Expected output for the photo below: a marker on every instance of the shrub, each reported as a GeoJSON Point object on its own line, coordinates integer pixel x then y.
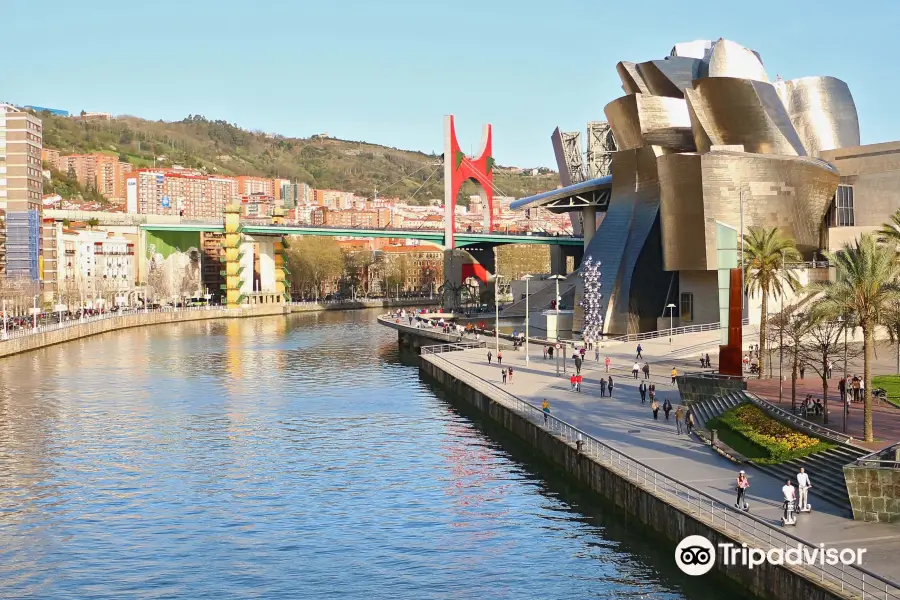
{"type": "Point", "coordinates": [777, 439]}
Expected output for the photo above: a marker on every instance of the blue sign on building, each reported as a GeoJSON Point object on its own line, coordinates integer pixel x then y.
{"type": "Point", "coordinates": [165, 202]}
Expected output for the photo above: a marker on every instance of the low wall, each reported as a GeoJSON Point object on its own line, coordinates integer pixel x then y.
{"type": "Point", "coordinates": [765, 581]}
{"type": "Point", "coordinates": [696, 388]}
{"type": "Point", "coordinates": [82, 330]}
{"type": "Point", "coordinates": [874, 493]}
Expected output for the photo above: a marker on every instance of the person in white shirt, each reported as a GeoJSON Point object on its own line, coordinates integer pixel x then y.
{"type": "Point", "coordinates": [634, 370]}
{"type": "Point", "coordinates": [788, 491]}
{"type": "Point", "coordinates": [803, 484]}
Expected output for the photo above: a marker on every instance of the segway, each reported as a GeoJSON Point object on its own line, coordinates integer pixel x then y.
{"type": "Point", "coordinates": [791, 514]}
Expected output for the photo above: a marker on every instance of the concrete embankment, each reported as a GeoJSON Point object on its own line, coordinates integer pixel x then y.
{"type": "Point", "coordinates": [139, 319]}
{"type": "Point", "coordinates": [639, 501]}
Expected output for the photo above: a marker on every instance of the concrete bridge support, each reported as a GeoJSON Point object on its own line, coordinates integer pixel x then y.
{"type": "Point", "coordinates": [477, 262]}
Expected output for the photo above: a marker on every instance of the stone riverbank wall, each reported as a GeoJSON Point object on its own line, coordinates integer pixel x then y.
{"type": "Point", "coordinates": [765, 581]}
{"type": "Point", "coordinates": [141, 319]}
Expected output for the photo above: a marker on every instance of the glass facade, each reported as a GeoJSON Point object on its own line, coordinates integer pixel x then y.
{"type": "Point", "coordinates": [727, 251]}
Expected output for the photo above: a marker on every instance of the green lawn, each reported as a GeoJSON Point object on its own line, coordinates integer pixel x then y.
{"type": "Point", "coordinates": [736, 441]}
{"type": "Point", "coordinates": [891, 383]}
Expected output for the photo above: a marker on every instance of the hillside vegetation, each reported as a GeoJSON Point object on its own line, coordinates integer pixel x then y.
{"type": "Point", "coordinates": [222, 148]}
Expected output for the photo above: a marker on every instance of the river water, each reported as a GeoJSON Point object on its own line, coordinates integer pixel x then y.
{"type": "Point", "coordinates": [296, 457]}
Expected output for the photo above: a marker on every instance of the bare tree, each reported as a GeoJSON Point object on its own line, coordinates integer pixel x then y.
{"type": "Point", "coordinates": [789, 327]}
{"type": "Point", "coordinates": [822, 347]}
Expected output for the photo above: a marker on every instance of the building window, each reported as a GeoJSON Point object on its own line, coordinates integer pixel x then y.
{"type": "Point", "coordinates": [687, 307]}
{"type": "Point", "coordinates": [841, 212]}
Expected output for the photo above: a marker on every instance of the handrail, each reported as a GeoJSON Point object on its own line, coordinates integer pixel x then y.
{"type": "Point", "coordinates": [851, 579]}
{"type": "Point", "coordinates": [867, 458]}
{"type": "Point", "coordinates": [441, 348]}
{"type": "Point", "coordinates": [650, 335]}
{"type": "Point", "coordinates": [799, 421]}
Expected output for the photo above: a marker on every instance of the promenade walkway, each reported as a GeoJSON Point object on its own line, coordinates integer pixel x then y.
{"type": "Point", "coordinates": [623, 422]}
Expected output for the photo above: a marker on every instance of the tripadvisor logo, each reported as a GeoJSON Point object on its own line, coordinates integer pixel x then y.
{"type": "Point", "coordinates": [696, 555]}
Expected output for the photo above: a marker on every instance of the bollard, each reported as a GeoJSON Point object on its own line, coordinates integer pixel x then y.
{"type": "Point", "coordinates": [714, 437]}
{"type": "Point", "coordinates": [579, 447]}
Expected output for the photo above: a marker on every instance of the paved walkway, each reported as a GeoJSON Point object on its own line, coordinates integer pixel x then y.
{"type": "Point", "coordinates": [624, 423]}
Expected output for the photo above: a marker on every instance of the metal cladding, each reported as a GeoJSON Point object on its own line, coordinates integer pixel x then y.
{"type": "Point", "coordinates": [822, 111]}
{"type": "Point", "coordinates": [638, 120]}
{"type": "Point", "coordinates": [728, 59]}
{"type": "Point", "coordinates": [744, 112]}
{"type": "Point", "coordinates": [703, 137]}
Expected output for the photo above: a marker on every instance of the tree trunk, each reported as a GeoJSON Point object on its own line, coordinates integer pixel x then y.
{"type": "Point", "coordinates": [763, 318]}
{"type": "Point", "coordinates": [867, 379]}
{"type": "Point", "coordinates": [825, 398]}
{"type": "Point", "coordinates": [794, 385]}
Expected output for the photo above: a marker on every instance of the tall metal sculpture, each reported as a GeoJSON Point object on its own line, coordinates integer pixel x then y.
{"type": "Point", "coordinates": [459, 168]}
{"type": "Point", "coordinates": [590, 303]}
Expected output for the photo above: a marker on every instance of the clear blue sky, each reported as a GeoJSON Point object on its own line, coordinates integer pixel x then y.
{"type": "Point", "coordinates": [386, 71]}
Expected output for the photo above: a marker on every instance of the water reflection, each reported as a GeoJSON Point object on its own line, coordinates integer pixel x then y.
{"type": "Point", "coordinates": [295, 457]}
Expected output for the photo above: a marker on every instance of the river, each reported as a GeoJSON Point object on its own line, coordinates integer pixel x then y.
{"type": "Point", "coordinates": [296, 457]}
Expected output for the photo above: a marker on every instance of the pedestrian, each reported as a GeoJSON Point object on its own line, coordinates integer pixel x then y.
{"type": "Point", "coordinates": [708, 364]}
{"type": "Point", "coordinates": [503, 373]}
{"type": "Point", "coordinates": [842, 389]}
{"type": "Point", "coordinates": [544, 351]}
{"type": "Point", "coordinates": [578, 383]}
{"type": "Point", "coordinates": [597, 354]}
{"type": "Point", "coordinates": [667, 408]}
{"type": "Point", "coordinates": [638, 353]}
{"type": "Point", "coordinates": [674, 374]}
{"type": "Point", "coordinates": [643, 390]}
{"type": "Point", "coordinates": [654, 406]}
{"type": "Point", "coordinates": [634, 370]}
{"type": "Point", "coordinates": [509, 371]}
{"type": "Point", "coordinates": [490, 356]}
{"type": "Point", "coordinates": [609, 386]}
{"type": "Point", "coordinates": [803, 484]}
{"type": "Point", "coordinates": [607, 364]}
{"type": "Point", "coordinates": [789, 497]}
{"type": "Point", "coordinates": [577, 364]}
{"type": "Point", "coordinates": [545, 407]}
{"type": "Point", "coordinates": [646, 370]}
{"type": "Point", "coordinates": [499, 357]}
{"type": "Point", "coordinates": [572, 381]}
{"type": "Point", "coordinates": [603, 387]}
{"type": "Point", "coordinates": [679, 419]}
{"type": "Point", "coordinates": [742, 484]}
{"type": "Point", "coordinates": [550, 352]}
{"type": "Point", "coordinates": [802, 370]}
{"type": "Point", "coordinates": [689, 422]}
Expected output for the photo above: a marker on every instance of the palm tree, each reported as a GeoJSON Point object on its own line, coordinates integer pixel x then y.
{"type": "Point", "coordinates": [765, 252]}
{"type": "Point", "coordinates": [865, 286]}
{"type": "Point", "coordinates": [890, 231]}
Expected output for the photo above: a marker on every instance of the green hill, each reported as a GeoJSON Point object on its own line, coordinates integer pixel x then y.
{"type": "Point", "coordinates": [222, 148]}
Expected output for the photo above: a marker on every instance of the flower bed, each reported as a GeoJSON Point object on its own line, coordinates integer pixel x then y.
{"type": "Point", "coordinates": [776, 441]}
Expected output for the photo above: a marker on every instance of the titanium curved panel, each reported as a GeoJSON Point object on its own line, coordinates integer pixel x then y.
{"type": "Point", "coordinates": [697, 49]}
{"type": "Point", "coordinates": [729, 59]}
{"type": "Point", "coordinates": [671, 76]}
{"type": "Point", "coordinates": [640, 120]}
{"type": "Point", "coordinates": [608, 244]}
{"type": "Point", "coordinates": [822, 111]}
{"type": "Point", "coordinates": [646, 207]}
{"type": "Point", "coordinates": [788, 192]}
{"type": "Point", "coordinates": [681, 212]}
{"type": "Point", "coordinates": [701, 138]}
{"type": "Point", "coordinates": [632, 82]}
{"type": "Point", "coordinates": [744, 112]}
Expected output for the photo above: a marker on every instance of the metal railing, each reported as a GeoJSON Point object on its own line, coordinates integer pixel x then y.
{"type": "Point", "coordinates": [21, 332]}
{"type": "Point", "coordinates": [651, 335]}
{"type": "Point", "coordinates": [819, 430]}
{"type": "Point", "coordinates": [851, 580]}
{"type": "Point", "coordinates": [441, 348]}
{"type": "Point", "coordinates": [873, 459]}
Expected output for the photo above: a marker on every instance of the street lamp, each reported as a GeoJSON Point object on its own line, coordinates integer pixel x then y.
{"type": "Point", "coordinates": [671, 308]}
{"type": "Point", "coordinates": [527, 278]}
{"type": "Point", "coordinates": [845, 323]}
{"type": "Point", "coordinates": [497, 312]}
{"type": "Point", "coordinates": [781, 341]}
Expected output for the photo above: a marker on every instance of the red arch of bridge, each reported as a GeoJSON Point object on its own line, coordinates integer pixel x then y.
{"type": "Point", "coordinates": [458, 168]}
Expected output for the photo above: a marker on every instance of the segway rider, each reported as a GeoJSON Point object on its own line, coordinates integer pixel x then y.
{"type": "Point", "coordinates": [742, 484]}
{"type": "Point", "coordinates": [789, 497]}
{"type": "Point", "coordinates": [803, 484]}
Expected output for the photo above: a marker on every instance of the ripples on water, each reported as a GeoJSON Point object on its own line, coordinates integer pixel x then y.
{"type": "Point", "coordinates": [292, 458]}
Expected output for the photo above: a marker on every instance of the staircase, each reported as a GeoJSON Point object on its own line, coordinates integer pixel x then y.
{"type": "Point", "coordinates": [825, 469]}
{"type": "Point", "coordinates": [712, 407]}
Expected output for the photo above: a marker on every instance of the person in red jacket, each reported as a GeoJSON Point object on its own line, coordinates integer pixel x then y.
{"type": "Point", "coordinates": [573, 380]}
{"type": "Point", "coordinates": [578, 383]}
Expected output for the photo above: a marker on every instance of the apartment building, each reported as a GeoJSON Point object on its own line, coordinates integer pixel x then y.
{"type": "Point", "coordinates": [247, 186]}
{"type": "Point", "coordinates": [257, 206]}
{"type": "Point", "coordinates": [102, 172]}
{"type": "Point", "coordinates": [97, 267]}
{"type": "Point", "coordinates": [295, 194]}
{"type": "Point", "coordinates": [171, 192]}
{"type": "Point", "coordinates": [21, 190]}
{"type": "Point", "coordinates": [413, 268]}
{"type": "Point", "coordinates": [51, 157]}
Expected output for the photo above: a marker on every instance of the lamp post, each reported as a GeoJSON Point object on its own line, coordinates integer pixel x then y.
{"type": "Point", "coordinates": [671, 308]}
{"type": "Point", "coordinates": [781, 340]}
{"type": "Point", "coordinates": [497, 312]}
{"type": "Point", "coordinates": [527, 278]}
{"type": "Point", "coordinates": [34, 312]}
{"type": "Point", "coordinates": [841, 319]}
